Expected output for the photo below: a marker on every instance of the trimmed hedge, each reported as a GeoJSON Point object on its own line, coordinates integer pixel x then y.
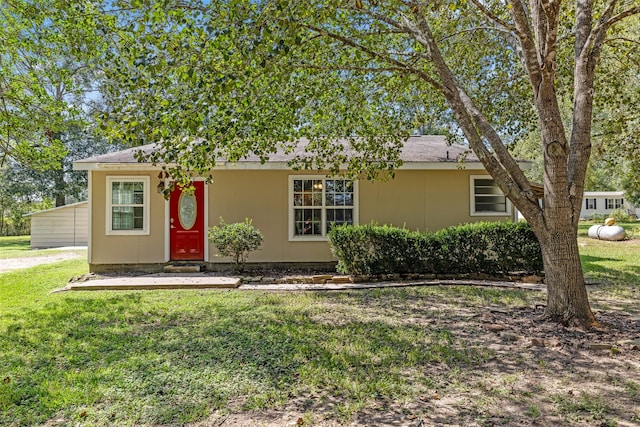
{"type": "Point", "coordinates": [484, 247]}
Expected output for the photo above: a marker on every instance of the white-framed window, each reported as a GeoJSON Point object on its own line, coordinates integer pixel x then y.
{"type": "Point", "coordinates": [613, 203]}
{"type": "Point", "coordinates": [316, 203]}
{"type": "Point", "coordinates": [590, 204]}
{"type": "Point", "coordinates": [127, 205]}
{"type": "Point", "coordinates": [487, 198]}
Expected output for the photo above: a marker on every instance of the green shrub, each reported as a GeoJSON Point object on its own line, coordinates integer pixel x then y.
{"type": "Point", "coordinates": [489, 248]}
{"type": "Point", "coordinates": [235, 240]}
{"type": "Point", "coordinates": [621, 215]}
{"type": "Point", "coordinates": [374, 249]}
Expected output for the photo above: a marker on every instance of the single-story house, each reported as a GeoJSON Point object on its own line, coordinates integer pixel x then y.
{"type": "Point", "coordinates": [132, 225]}
{"type": "Point", "coordinates": [62, 226]}
{"type": "Point", "coordinates": [604, 203]}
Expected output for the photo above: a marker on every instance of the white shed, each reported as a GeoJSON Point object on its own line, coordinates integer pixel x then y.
{"type": "Point", "coordinates": [62, 226]}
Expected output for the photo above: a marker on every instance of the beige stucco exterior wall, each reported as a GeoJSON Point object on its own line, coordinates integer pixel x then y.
{"type": "Point", "coordinates": [423, 200]}
{"type": "Point", "coordinates": [131, 249]}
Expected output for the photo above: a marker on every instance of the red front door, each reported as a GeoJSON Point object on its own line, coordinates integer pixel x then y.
{"type": "Point", "coordinates": [186, 223]}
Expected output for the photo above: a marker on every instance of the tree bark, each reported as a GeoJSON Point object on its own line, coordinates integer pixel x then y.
{"type": "Point", "coordinates": [567, 299]}
{"type": "Point", "coordinates": [60, 187]}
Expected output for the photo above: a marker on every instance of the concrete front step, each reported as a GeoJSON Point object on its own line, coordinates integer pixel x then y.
{"type": "Point", "coordinates": [184, 268]}
{"type": "Point", "coordinates": [160, 281]}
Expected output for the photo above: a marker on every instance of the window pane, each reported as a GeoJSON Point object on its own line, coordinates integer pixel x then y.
{"type": "Point", "coordinates": [488, 196]}
{"type": "Point", "coordinates": [127, 193]}
{"type": "Point", "coordinates": [122, 218]}
{"type": "Point", "coordinates": [115, 221]}
{"type": "Point", "coordinates": [307, 222]}
{"type": "Point", "coordinates": [491, 204]}
{"type": "Point", "coordinates": [307, 185]}
{"type": "Point", "coordinates": [138, 198]}
{"type": "Point", "coordinates": [115, 193]}
{"type": "Point", "coordinates": [339, 217]}
{"type": "Point", "coordinates": [330, 216]}
{"type": "Point", "coordinates": [127, 218]}
{"type": "Point", "coordinates": [297, 185]}
{"type": "Point", "coordinates": [330, 199]}
{"type": "Point", "coordinates": [488, 190]}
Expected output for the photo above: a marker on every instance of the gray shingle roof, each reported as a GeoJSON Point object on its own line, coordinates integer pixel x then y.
{"type": "Point", "coordinates": [419, 149]}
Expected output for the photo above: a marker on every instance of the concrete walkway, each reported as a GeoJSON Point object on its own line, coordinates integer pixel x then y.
{"type": "Point", "coordinates": [204, 281]}
{"type": "Point", "coordinates": [154, 281]}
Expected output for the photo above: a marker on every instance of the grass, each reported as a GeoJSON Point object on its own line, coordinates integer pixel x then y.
{"type": "Point", "coordinates": [19, 247]}
{"type": "Point", "coordinates": [614, 269]}
{"type": "Point", "coordinates": [142, 358]}
{"type": "Point", "coordinates": [175, 357]}
{"type": "Point", "coordinates": [14, 246]}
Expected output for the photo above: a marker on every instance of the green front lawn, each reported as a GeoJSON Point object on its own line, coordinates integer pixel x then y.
{"type": "Point", "coordinates": [168, 357]}
{"type": "Point", "coordinates": [14, 246]}
{"type": "Point", "coordinates": [173, 357]}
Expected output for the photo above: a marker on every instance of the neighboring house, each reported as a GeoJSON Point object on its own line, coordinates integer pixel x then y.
{"type": "Point", "coordinates": [62, 226]}
{"type": "Point", "coordinates": [604, 203]}
{"type": "Point", "coordinates": [133, 226]}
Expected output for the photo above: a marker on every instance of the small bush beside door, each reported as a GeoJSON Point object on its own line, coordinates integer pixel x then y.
{"type": "Point", "coordinates": [235, 240]}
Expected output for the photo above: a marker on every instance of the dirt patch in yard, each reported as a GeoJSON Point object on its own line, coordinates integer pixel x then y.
{"type": "Point", "coordinates": [533, 373]}
{"type": "Point", "coordinates": [10, 264]}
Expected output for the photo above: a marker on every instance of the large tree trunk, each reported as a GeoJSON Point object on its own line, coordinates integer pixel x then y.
{"type": "Point", "coordinates": [567, 299]}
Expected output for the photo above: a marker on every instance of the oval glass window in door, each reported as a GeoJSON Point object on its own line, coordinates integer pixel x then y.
{"type": "Point", "coordinates": [187, 210]}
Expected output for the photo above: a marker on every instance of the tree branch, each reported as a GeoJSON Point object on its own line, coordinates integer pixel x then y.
{"type": "Point", "coordinates": [606, 21]}
{"type": "Point", "coordinates": [474, 29]}
{"type": "Point", "coordinates": [622, 15]}
{"type": "Point", "coordinates": [500, 164]}
{"type": "Point", "coordinates": [373, 54]}
{"type": "Point", "coordinates": [491, 16]}
{"type": "Point", "coordinates": [527, 43]}
{"type": "Point", "coordinates": [354, 68]}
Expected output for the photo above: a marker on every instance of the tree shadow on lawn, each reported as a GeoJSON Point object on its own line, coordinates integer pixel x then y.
{"type": "Point", "coordinates": [599, 267]}
{"type": "Point", "coordinates": [136, 358]}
